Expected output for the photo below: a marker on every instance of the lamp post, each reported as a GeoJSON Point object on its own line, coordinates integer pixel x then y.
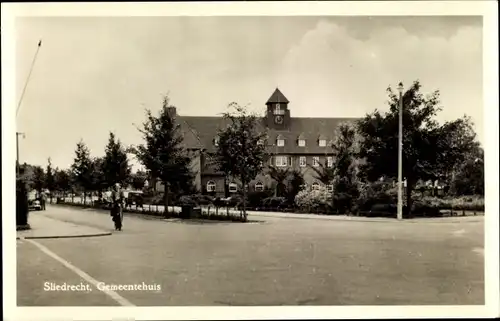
{"type": "Point", "coordinates": [17, 150]}
{"type": "Point", "coordinates": [400, 153]}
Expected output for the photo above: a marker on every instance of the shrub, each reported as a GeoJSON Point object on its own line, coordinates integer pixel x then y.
{"type": "Point", "coordinates": [187, 200]}
{"type": "Point", "coordinates": [274, 202]}
{"type": "Point", "coordinates": [201, 199]}
{"type": "Point", "coordinates": [374, 193]}
{"type": "Point", "coordinates": [254, 199]}
{"type": "Point", "coordinates": [314, 200]}
{"type": "Point", "coordinates": [234, 201]}
{"type": "Point", "coordinates": [423, 208]}
{"type": "Point", "coordinates": [462, 203]}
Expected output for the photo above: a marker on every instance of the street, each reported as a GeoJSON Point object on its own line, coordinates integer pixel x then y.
{"type": "Point", "coordinates": [272, 261]}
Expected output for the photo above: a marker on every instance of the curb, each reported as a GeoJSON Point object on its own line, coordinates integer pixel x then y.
{"type": "Point", "coordinates": [63, 236]}
{"type": "Point", "coordinates": [408, 221]}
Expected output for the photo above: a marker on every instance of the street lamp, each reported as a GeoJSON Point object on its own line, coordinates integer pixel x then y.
{"type": "Point", "coordinates": [400, 153]}
{"type": "Point", "coordinates": [17, 150]}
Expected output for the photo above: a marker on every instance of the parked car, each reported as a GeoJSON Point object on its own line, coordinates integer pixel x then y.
{"type": "Point", "coordinates": [134, 198]}
{"type": "Point", "coordinates": [34, 205]}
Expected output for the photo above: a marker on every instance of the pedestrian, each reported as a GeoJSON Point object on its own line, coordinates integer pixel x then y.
{"type": "Point", "coordinates": [117, 198]}
{"type": "Point", "coordinates": [43, 199]}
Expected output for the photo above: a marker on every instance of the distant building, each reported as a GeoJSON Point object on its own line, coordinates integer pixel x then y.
{"type": "Point", "coordinates": [294, 142]}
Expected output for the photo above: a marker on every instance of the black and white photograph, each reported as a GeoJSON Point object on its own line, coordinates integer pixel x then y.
{"type": "Point", "coordinates": [307, 158]}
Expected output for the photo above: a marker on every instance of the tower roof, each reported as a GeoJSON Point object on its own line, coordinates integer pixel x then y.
{"type": "Point", "coordinates": [277, 97]}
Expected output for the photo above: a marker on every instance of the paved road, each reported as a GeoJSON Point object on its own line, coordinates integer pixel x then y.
{"type": "Point", "coordinates": [276, 262]}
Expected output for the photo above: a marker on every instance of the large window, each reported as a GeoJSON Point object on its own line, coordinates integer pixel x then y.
{"type": "Point", "coordinates": [259, 187]}
{"type": "Point", "coordinates": [233, 187]}
{"type": "Point", "coordinates": [315, 161]}
{"type": "Point", "coordinates": [210, 186]}
{"type": "Point", "coordinates": [302, 161]}
{"type": "Point", "coordinates": [281, 161]}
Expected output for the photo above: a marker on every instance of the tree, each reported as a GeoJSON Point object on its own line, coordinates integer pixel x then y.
{"type": "Point", "coordinates": [241, 151]}
{"type": "Point", "coordinates": [62, 180]}
{"type": "Point", "coordinates": [468, 178]}
{"type": "Point", "coordinates": [323, 173]}
{"type": "Point", "coordinates": [295, 184]}
{"type": "Point", "coordinates": [115, 166]}
{"type": "Point", "coordinates": [426, 152]}
{"type": "Point", "coordinates": [50, 182]}
{"type": "Point", "coordinates": [458, 146]}
{"type": "Point", "coordinates": [82, 168]}
{"type": "Point", "coordinates": [163, 154]}
{"type": "Point", "coordinates": [98, 178]}
{"type": "Point", "coordinates": [280, 176]}
{"type": "Point", "coordinates": [38, 179]}
{"type": "Point", "coordinates": [345, 188]}
{"type": "Point", "coordinates": [138, 179]}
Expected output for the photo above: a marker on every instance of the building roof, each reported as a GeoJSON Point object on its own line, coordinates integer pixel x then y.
{"type": "Point", "coordinates": [277, 97]}
{"type": "Point", "coordinates": [199, 132]}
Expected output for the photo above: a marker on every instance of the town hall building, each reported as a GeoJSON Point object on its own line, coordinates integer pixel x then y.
{"type": "Point", "coordinates": [296, 143]}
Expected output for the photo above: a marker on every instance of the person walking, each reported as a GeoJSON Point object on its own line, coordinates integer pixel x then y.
{"type": "Point", "coordinates": [43, 200]}
{"type": "Point", "coordinates": [117, 198]}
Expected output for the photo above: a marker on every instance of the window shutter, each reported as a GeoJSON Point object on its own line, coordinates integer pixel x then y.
{"type": "Point", "coordinates": [290, 161]}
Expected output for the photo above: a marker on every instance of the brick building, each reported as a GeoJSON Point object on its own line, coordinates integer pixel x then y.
{"type": "Point", "coordinates": [294, 142]}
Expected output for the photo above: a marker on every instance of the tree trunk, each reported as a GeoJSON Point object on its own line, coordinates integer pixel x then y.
{"type": "Point", "coordinates": [409, 203]}
{"type": "Point", "coordinates": [244, 201]}
{"type": "Point", "coordinates": [165, 195]}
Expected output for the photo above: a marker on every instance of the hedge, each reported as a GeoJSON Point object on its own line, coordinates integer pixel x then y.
{"type": "Point", "coordinates": [171, 214]}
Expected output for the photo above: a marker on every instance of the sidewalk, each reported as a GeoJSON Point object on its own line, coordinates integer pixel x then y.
{"type": "Point", "coordinates": [454, 219]}
{"type": "Point", "coordinates": [43, 227]}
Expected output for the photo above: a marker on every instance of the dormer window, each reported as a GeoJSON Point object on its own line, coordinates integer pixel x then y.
{"type": "Point", "coordinates": [322, 143]}
{"type": "Point", "coordinates": [216, 141]}
{"type": "Point", "coordinates": [280, 141]}
{"type": "Point", "coordinates": [302, 142]}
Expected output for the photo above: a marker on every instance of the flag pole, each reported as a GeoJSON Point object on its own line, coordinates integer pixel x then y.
{"type": "Point", "coordinates": [29, 75]}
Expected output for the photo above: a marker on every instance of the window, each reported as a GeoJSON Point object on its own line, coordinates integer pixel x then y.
{"type": "Point", "coordinates": [316, 161]}
{"type": "Point", "coordinates": [259, 187]}
{"type": "Point", "coordinates": [281, 161]}
{"type": "Point", "coordinates": [302, 142]}
{"type": "Point", "coordinates": [280, 142]}
{"type": "Point", "coordinates": [260, 142]}
{"type": "Point", "coordinates": [329, 161]}
{"type": "Point", "coordinates": [322, 142]}
{"type": "Point", "coordinates": [330, 188]}
{"type": "Point", "coordinates": [233, 188]}
{"type": "Point", "coordinates": [315, 186]}
{"type": "Point", "coordinates": [216, 141]}
{"type": "Point", "coordinates": [278, 110]}
{"type": "Point", "coordinates": [210, 186]}
{"type": "Point", "coordinates": [302, 161]}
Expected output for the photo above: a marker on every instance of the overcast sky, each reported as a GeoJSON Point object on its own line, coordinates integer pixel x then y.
{"type": "Point", "coordinates": [93, 75]}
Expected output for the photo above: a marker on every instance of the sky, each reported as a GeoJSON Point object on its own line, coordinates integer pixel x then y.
{"type": "Point", "coordinates": [94, 75]}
